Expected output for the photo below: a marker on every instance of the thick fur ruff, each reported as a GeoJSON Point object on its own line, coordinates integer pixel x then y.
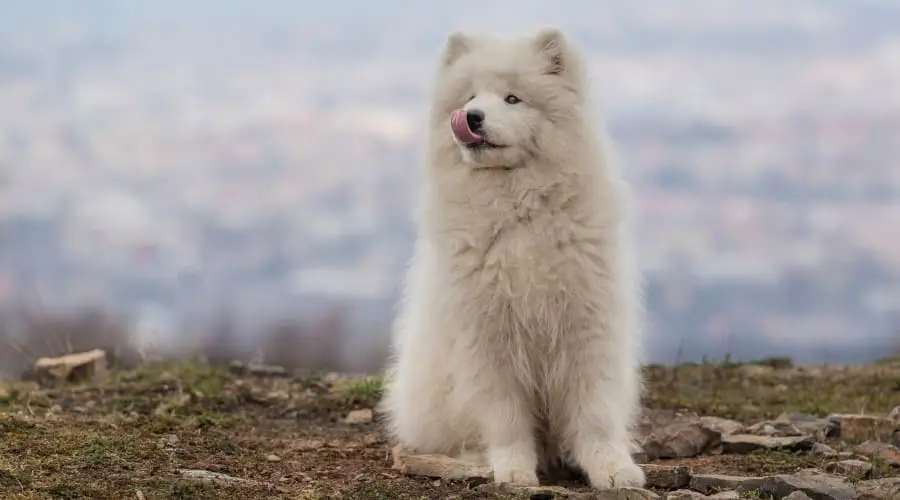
{"type": "Point", "coordinates": [519, 330]}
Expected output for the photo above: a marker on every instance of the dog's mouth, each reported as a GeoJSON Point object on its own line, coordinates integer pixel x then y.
{"type": "Point", "coordinates": [482, 145]}
{"type": "Point", "coordinates": [473, 140]}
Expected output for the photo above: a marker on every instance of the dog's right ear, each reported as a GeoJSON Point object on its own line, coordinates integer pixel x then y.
{"type": "Point", "coordinates": [458, 44]}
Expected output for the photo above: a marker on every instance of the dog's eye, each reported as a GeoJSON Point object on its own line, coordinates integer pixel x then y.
{"type": "Point", "coordinates": [511, 99]}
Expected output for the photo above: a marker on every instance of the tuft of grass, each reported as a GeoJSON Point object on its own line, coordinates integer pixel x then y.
{"type": "Point", "coordinates": [367, 389]}
{"type": "Point", "coordinates": [193, 376]}
{"type": "Point", "coordinates": [881, 469]}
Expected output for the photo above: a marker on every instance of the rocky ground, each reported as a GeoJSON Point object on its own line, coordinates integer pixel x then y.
{"type": "Point", "coordinates": [190, 430]}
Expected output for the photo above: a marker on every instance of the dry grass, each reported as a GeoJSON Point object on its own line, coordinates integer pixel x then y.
{"type": "Point", "coordinates": [766, 388]}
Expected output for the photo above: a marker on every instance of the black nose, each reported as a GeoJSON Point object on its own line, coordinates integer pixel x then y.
{"type": "Point", "coordinates": [475, 119]}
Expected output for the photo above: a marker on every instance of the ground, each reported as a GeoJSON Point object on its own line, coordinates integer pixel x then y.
{"type": "Point", "coordinates": [133, 434]}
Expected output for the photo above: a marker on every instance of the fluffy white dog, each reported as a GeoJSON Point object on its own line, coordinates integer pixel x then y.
{"type": "Point", "coordinates": [520, 324]}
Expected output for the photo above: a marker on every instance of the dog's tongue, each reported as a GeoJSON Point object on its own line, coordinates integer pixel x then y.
{"type": "Point", "coordinates": [460, 127]}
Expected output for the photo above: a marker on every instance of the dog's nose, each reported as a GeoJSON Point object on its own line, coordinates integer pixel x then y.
{"type": "Point", "coordinates": [475, 119]}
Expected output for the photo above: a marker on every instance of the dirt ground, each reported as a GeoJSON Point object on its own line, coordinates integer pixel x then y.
{"type": "Point", "coordinates": [134, 434]}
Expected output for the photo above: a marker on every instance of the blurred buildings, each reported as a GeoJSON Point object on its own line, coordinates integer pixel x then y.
{"type": "Point", "coordinates": [175, 161]}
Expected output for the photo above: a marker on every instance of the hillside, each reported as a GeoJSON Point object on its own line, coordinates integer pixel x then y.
{"type": "Point", "coordinates": [191, 430]}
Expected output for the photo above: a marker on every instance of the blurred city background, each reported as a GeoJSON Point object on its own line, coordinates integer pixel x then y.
{"type": "Point", "coordinates": [235, 177]}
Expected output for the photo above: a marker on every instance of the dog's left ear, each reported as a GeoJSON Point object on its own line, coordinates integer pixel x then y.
{"type": "Point", "coordinates": [552, 44]}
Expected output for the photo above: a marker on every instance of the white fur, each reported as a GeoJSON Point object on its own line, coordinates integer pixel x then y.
{"type": "Point", "coordinates": [520, 323]}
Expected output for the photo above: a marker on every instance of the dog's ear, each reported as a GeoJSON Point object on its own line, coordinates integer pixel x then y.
{"type": "Point", "coordinates": [552, 44]}
{"type": "Point", "coordinates": [458, 44]}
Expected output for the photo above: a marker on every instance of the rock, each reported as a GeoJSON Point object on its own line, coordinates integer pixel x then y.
{"type": "Point", "coordinates": [894, 415]}
{"type": "Point", "coordinates": [440, 466]}
{"type": "Point", "coordinates": [666, 476]}
{"type": "Point", "coordinates": [216, 478]}
{"type": "Point", "coordinates": [723, 426]}
{"type": "Point", "coordinates": [273, 458]}
{"type": "Point", "coordinates": [850, 468]}
{"type": "Point", "coordinates": [257, 369]}
{"type": "Point", "coordinates": [820, 428]}
{"type": "Point", "coordinates": [624, 494]}
{"type": "Point", "coordinates": [726, 495]}
{"type": "Point", "coordinates": [816, 485]}
{"type": "Point", "coordinates": [308, 444]}
{"type": "Point", "coordinates": [711, 483]}
{"type": "Point", "coordinates": [882, 451]}
{"type": "Point", "coordinates": [357, 417]}
{"type": "Point", "coordinates": [78, 367]}
{"type": "Point", "coordinates": [746, 443]}
{"type": "Point", "coordinates": [684, 495]}
{"type": "Point", "coordinates": [681, 440]}
{"type": "Point", "coordinates": [879, 489]}
{"type": "Point", "coordinates": [797, 495]}
{"type": "Point", "coordinates": [774, 428]}
{"type": "Point", "coordinates": [822, 450]}
{"type": "Point", "coordinates": [536, 492]}
{"type": "Point", "coordinates": [639, 457]}
{"type": "Point", "coordinates": [168, 443]}
{"type": "Point", "coordinates": [858, 428]}
{"type": "Point", "coordinates": [655, 419]}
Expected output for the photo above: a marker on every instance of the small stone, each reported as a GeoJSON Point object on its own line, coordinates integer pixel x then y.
{"type": "Point", "coordinates": [666, 476]}
{"type": "Point", "coordinates": [168, 443]}
{"type": "Point", "coordinates": [681, 440]}
{"type": "Point", "coordinates": [747, 443]}
{"type": "Point", "coordinates": [858, 428]}
{"type": "Point", "coordinates": [278, 395]}
{"type": "Point", "coordinates": [797, 495]}
{"type": "Point", "coordinates": [273, 458]}
{"type": "Point", "coordinates": [712, 483]}
{"type": "Point", "coordinates": [883, 451]}
{"type": "Point", "coordinates": [438, 466]}
{"type": "Point", "coordinates": [816, 485]}
{"type": "Point", "coordinates": [78, 367]}
{"type": "Point", "coordinates": [308, 444]}
{"type": "Point", "coordinates": [357, 417]}
{"type": "Point", "coordinates": [850, 468]}
{"type": "Point", "coordinates": [684, 495]}
{"type": "Point", "coordinates": [822, 450]}
{"type": "Point", "coordinates": [216, 478]}
{"type": "Point", "coordinates": [879, 489]}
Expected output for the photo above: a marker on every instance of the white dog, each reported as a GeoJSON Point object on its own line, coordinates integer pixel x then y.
{"type": "Point", "coordinates": [520, 326]}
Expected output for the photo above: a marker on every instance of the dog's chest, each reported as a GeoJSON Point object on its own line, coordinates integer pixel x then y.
{"type": "Point", "coordinates": [517, 250]}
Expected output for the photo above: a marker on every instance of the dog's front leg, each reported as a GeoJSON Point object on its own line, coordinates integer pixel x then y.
{"type": "Point", "coordinates": [505, 421]}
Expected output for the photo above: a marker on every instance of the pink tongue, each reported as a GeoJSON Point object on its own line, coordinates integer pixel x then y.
{"type": "Point", "coordinates": [460, 127]}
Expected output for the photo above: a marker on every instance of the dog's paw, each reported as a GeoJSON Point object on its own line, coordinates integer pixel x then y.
{"type": "Point", "coordinates": [614, 472]}
{"type": "Point", "coordinates": [519, 477]}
